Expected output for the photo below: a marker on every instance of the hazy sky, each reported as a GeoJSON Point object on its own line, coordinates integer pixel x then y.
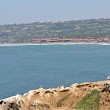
{"type": "Point", "coordinates": [23, 11]}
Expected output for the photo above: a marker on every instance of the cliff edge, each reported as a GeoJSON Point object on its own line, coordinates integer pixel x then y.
{"type": "Point", "coordinates": [84, 96]}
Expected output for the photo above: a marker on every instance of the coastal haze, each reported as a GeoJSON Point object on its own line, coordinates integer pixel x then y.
{"type": "Point", "coordinates": [26, 11]}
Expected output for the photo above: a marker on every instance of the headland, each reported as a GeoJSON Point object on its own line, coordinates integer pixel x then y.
{"type": "Point", "coordinates": [84, 96]}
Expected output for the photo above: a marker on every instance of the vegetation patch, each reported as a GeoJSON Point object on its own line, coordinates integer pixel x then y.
{"type": "Point", "coordinates": [89, 101]}
{"type": "Point", "coordinates": [59, 103]}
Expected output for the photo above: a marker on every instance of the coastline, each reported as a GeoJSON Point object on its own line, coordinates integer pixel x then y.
{"type": "Point", "coordinates": [76, 97]}
{"type": "Point", "coordinates": [70, 43]}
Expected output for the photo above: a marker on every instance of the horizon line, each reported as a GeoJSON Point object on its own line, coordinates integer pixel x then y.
{"type": "Point", "coordinates": [54, 21]}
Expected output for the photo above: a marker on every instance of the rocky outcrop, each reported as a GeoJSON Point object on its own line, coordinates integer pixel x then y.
{"type": "Point", "coordinates": [60, 98]}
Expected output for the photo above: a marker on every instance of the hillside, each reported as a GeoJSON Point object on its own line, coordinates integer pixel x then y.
{"type": "Point", "coordinates": [24, 33]}
{"type": "Point", "coordinates": [85, 96]}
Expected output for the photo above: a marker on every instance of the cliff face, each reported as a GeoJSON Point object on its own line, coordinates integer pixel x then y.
{"type": "Point", "coordinates": [85, 96]}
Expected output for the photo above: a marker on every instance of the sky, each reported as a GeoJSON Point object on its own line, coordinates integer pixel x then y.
{"type": "Point", "coordinates": [26, 11]}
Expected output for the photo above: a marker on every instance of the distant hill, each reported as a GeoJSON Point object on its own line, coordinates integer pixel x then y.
{"type": "Point", "coordinates": [19, 33]}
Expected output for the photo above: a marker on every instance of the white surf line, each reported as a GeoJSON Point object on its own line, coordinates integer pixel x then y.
{"type": "Point", "coordinates": [32, 44]}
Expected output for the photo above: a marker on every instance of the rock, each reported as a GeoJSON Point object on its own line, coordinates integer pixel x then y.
{"type": "Point", "coordinates": [60, 98]}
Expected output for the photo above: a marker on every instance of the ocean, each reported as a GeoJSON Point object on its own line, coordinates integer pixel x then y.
{"type": "Point", "coordinates": [24, 68]}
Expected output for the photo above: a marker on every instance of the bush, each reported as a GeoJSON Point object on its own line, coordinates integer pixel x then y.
{"type": "Point", "coordinates": [89, 101]}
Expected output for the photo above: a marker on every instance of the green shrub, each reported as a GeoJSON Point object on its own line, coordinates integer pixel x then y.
{"type": "Point", "coordinates": [89, 101]}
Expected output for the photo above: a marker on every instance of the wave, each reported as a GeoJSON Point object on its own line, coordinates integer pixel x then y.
{"type": "Point", "coordinates": [32, 44]}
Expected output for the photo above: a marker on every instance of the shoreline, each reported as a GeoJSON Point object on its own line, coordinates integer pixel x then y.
{"type": "Point", "coordinates": [62, 98]}
{"type": "Point", "coordinates": [70, 43]}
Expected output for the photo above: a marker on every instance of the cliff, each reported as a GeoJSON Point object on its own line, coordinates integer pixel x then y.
{"type": "Point", "coordinates": [84, 96]}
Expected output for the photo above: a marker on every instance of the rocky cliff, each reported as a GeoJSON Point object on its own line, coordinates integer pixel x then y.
{"type": "Point", "coordinates": [84, 96]}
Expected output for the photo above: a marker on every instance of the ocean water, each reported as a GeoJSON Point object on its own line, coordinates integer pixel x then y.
{"type": "Point", "coordinates": [23, 68]}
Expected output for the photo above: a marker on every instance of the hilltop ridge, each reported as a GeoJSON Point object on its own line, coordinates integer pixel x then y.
{"type": "Point", "coordinates": [25, 33]}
